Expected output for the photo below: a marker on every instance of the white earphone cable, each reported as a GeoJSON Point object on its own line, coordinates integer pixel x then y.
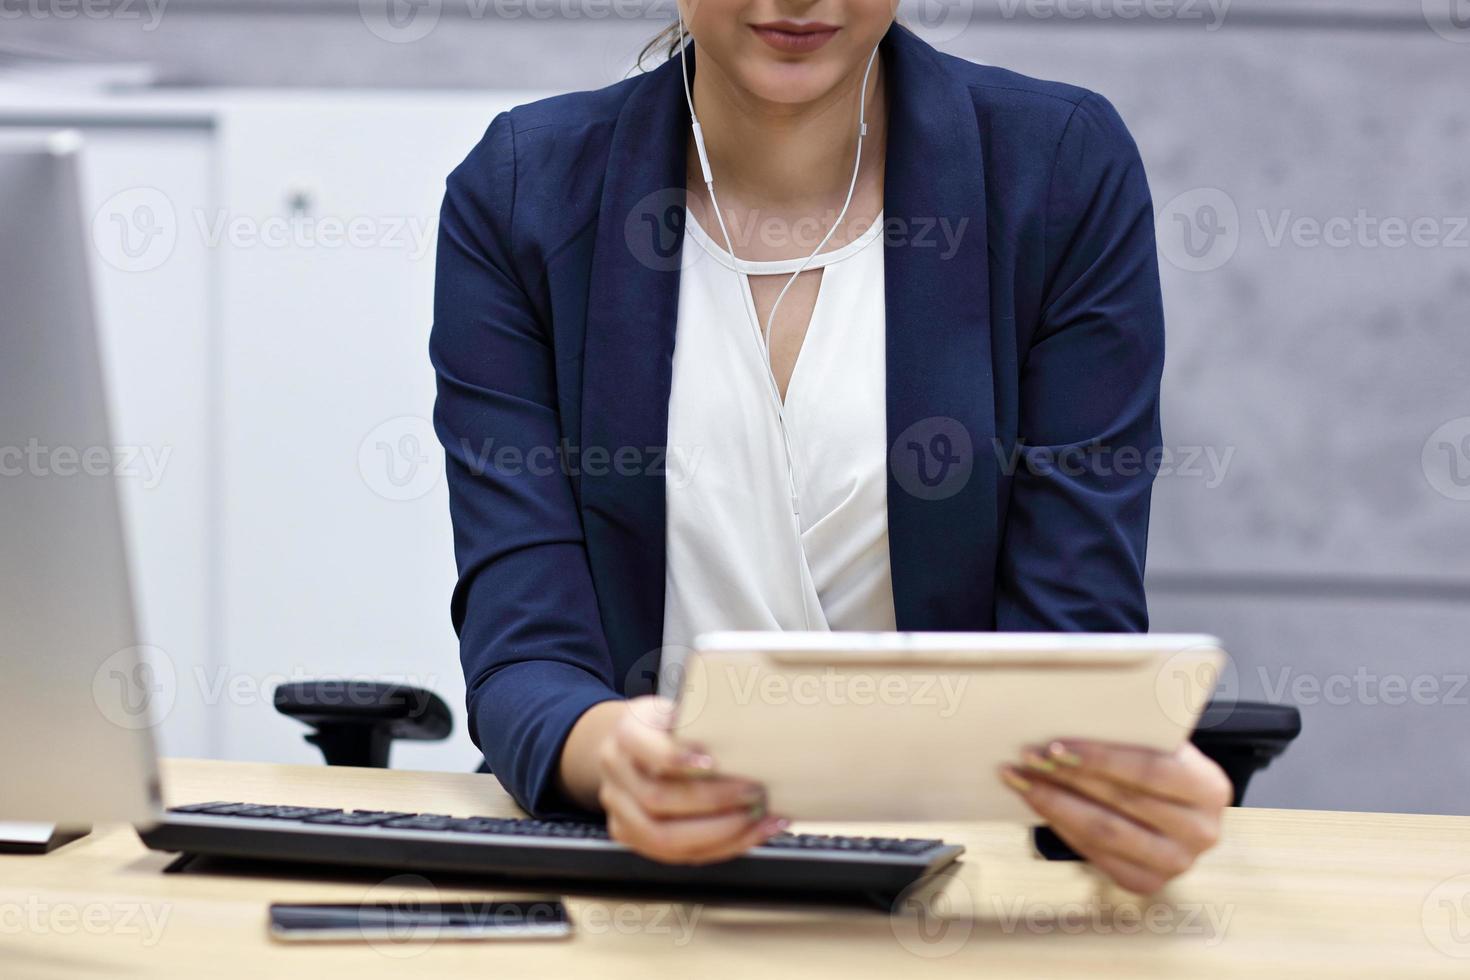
{"type": "Point", "coordinates": [747, 299]}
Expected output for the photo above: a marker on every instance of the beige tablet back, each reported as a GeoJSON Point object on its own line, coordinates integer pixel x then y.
{"type": "Point", "coordinates": [913, 726]}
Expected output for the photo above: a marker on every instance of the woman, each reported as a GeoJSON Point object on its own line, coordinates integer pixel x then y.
{"type": "Point", "coordinates": [944, 423]}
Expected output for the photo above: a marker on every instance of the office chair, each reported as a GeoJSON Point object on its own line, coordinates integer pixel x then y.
{"type": "Point", "coordinates": [355, 723]}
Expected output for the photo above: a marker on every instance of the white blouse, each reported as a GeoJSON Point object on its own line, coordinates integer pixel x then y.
{"type": "Point", "coordinates": [733, 556]}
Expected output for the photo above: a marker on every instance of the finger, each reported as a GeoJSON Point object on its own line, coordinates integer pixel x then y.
{"type": "Point", "coordinates": [693, 840]}
{"type": "Point", "coordinates": [1197, 828]}
{"type": "Point", "coordinates": [1092, 829]}
{"type": "Point", "coordinates": [1185, 776]}
{"type": "Point", "coordinates": [1134, 877]}
{"type": "Point", "coordinates": [683, 796]}
{"type": "Point", "coordinates": [656, 753]}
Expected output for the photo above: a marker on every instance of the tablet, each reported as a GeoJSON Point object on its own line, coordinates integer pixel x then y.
{"type": "Point", "coordinates": [914, 726]}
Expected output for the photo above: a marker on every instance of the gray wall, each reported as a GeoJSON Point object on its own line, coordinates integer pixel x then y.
{"type": "Point", "coordinates": [1322, 525]}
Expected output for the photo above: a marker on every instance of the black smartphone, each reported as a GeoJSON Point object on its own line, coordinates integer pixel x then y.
{"type": "Point", "coordinates": [409, 921]}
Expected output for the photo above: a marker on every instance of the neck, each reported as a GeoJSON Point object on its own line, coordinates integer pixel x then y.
{"type": "Point", "coordinates": [778, 155]}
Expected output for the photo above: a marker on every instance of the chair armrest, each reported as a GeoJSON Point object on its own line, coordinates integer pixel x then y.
{"type": "Point", "coordinates": [355, 722]}
{"type": "Point", "coordinates": [1241, 737]}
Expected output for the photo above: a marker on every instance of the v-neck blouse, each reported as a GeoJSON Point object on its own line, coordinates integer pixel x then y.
{"type": "Point", "coordinates": [735, 559]}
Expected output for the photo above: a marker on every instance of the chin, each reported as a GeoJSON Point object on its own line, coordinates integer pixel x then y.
{"type": "Point", "coordinates": [791, 82]}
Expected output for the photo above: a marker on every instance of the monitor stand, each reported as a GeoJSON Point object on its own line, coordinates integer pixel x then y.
{"type": "Point", "coordinates": [36, 838]}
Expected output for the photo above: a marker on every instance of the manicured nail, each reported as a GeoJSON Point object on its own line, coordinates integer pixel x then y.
{"type": "Point", "coordinates": [1014, 780]}
{"type": "Point", "coordinates": [1037, 761]}
{"type": "Point", "coordinates": [1064, 755]}
{"type": "Point", "coordinates": [771, 826]}
{"type": "Point", "coordinates": [698, 763]}
{"type": "Point", "coordinates": [757, 810]}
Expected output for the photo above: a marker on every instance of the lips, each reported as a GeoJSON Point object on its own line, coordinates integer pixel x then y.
{"type": "Point", "coordinates": [792, 37]}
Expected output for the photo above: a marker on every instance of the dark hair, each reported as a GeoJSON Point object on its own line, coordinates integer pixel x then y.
{"type": "Point", "coordinates": [668, 39]}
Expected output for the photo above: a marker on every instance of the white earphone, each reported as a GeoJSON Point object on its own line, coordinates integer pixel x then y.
{"type": "Point", "coordinates": [763, 335]}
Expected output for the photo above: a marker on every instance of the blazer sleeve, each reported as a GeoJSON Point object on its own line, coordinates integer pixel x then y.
{"type": "Point", "coordinates": [531, 640]}
{"type": "Point", "coordinates": [1076, 527]}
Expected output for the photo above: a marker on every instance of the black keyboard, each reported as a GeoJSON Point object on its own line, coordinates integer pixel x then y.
{"type": "Point", "coordinates": [545, 852]}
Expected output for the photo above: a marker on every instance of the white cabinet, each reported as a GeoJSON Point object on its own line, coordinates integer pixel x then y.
{"type": "Point", "coordinates": [264, 273]}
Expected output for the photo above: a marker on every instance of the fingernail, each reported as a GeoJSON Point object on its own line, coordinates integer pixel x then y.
{"type": "Point", "coordinates": [1037, 761]}
{"type": "Point", "coordinates": [757, 810]}
{"type": "Point", "coordinates": [772, 826]}
{"type": "Point", "coordinates": [1064, 755]}
{"type": "Point", "coordinates": [1014, 780]}
{"type": "Point", "coordinates": [698, 762]}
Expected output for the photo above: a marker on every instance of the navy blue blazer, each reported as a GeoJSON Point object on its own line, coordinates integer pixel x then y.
{"type": "Point", "coordinates": [1025, 343]}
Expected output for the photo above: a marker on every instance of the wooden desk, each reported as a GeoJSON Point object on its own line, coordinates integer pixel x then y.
{"type": "Point", "coordinates": [1288, 893]}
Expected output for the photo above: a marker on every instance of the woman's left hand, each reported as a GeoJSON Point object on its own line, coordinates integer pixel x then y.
{"type": "Point", "coordinates": [1138, 815]}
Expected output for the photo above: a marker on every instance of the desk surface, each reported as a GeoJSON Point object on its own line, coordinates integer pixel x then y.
{"type": "Point", "coordinates": [1298, 893]}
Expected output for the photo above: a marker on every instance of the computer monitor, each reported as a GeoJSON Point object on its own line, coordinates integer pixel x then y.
{"type": "Point", "coordinates": [75, 744]}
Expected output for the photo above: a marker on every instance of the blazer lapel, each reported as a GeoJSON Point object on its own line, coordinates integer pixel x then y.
{"type": "Point", "coordinates": [942, 516]}
{"type": "Point", "coordinates": [632, 310]}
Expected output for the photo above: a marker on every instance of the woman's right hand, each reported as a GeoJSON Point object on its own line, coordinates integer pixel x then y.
{"type": "Point", "coordinates": [665, 801]}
